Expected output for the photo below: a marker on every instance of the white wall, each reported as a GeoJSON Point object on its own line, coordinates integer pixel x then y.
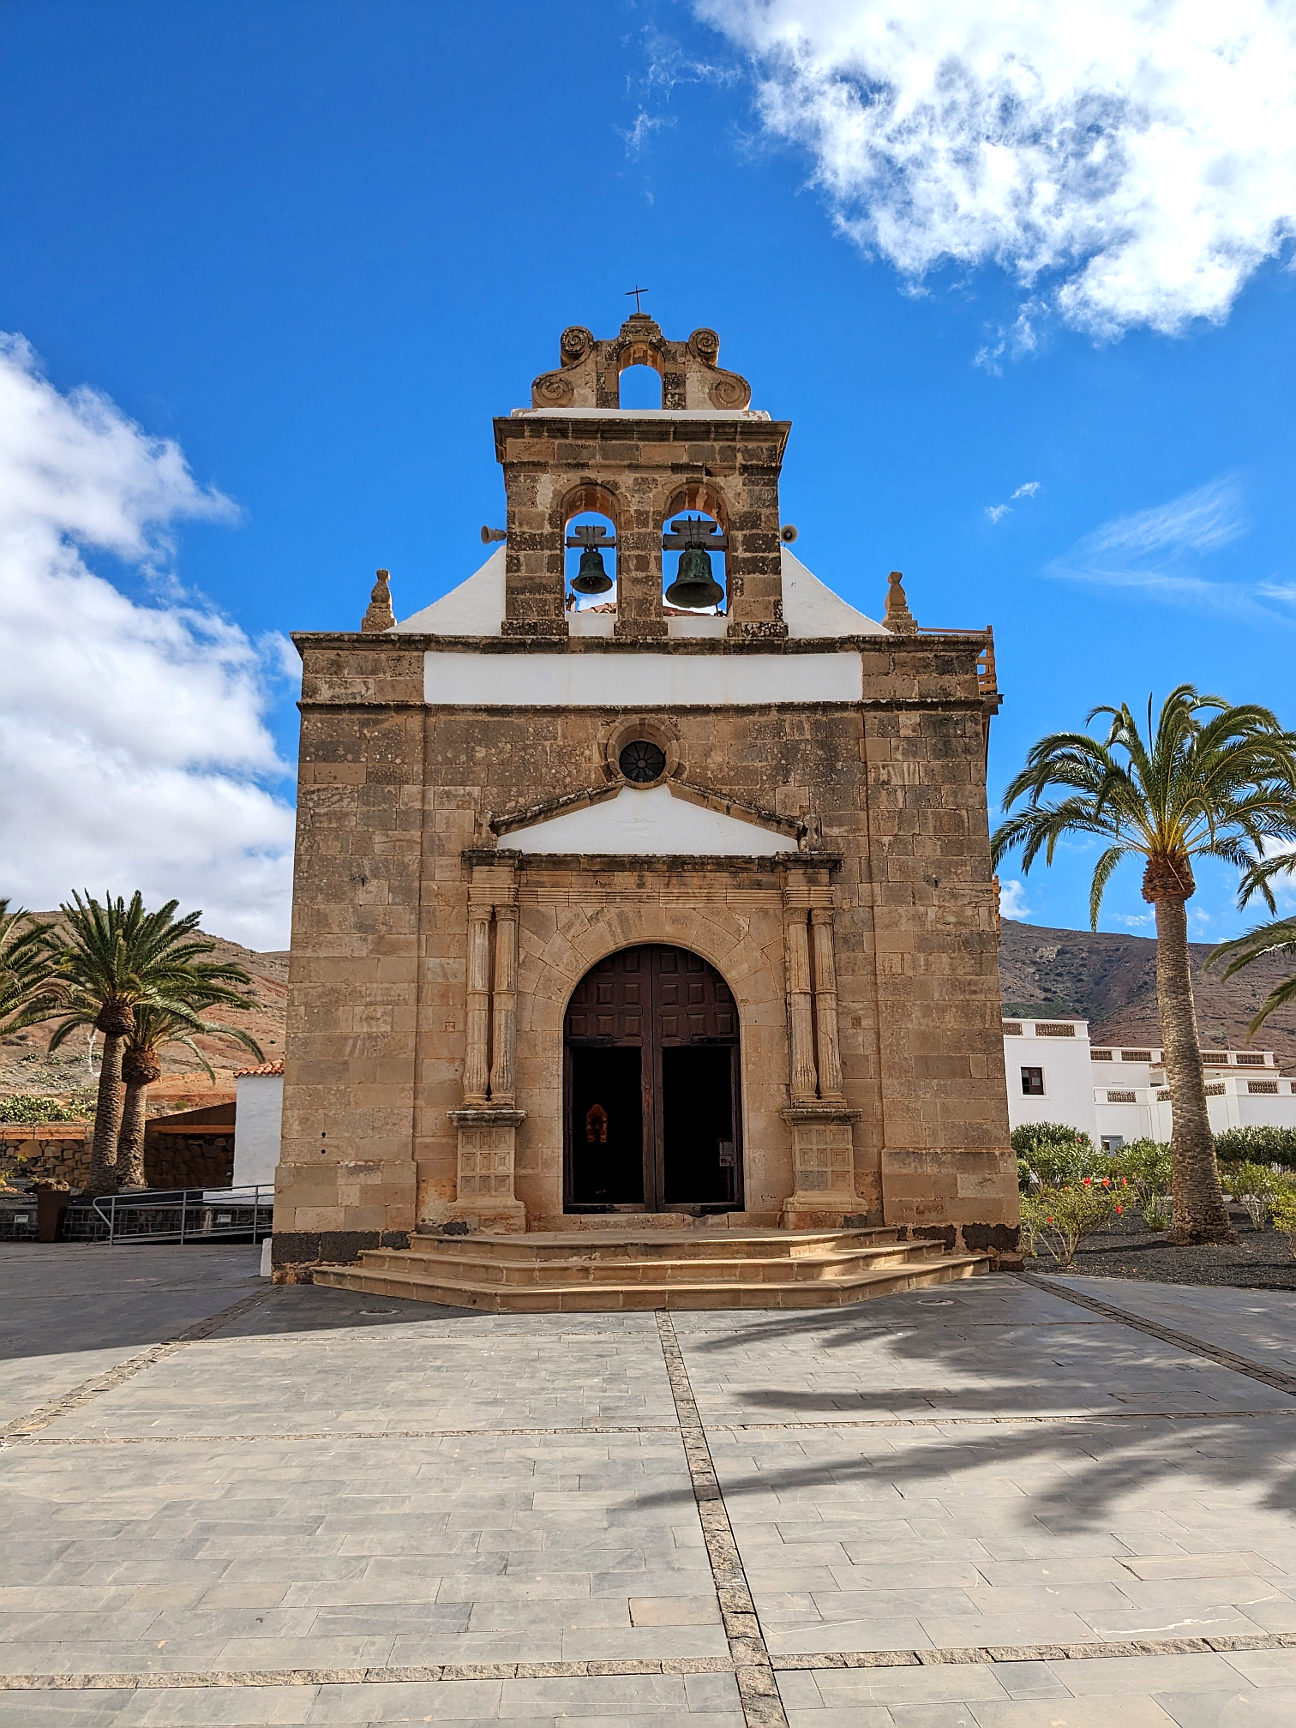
{"type": "Point", "coordinates": [1068, 1076]}
{"type": "Point", "coordinates": [257, 1119]}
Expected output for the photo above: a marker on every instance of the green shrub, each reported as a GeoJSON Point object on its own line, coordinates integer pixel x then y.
{"type": "Point", "coordinates": [27, 1107]}
{"type": "Point", "coordinates": [1283, 1208]}
{"type": "Point", "coordinates": [1257, 1146]}
{"type": "Point", "coordinates": [1056, 1153]}
{"type": "Point", "coordinates": [1248, 1181]}
{"type": "Point", "coordinates": [1059, 1219]}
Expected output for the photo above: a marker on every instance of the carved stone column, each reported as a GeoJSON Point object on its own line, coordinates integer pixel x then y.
{"type": "Point", "coordinates": [504, 1006]}
{"type": "Point", "coordinates": [827, 1043]}
{"type": "Point", "coordinates": [476, 1075]}
{"type": "Point", "coordinates": [804, 1080]}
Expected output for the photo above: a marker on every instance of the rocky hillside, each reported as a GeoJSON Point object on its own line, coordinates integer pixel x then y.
{"type": "Point", "coordinates": [1111, 982]}
{"type": "Point", "coordinates": [27, 1066]}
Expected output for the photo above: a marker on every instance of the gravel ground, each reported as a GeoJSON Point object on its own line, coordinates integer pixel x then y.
{"type": "Point", "coordinates": [1262, 1259]}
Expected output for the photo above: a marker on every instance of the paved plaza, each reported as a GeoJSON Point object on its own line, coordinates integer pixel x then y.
{"type": "Point", "coordinates": [997, 1504]}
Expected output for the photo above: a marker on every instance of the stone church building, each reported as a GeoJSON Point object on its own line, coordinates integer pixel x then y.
{"type": "Point", "coordinates": [660, 900]}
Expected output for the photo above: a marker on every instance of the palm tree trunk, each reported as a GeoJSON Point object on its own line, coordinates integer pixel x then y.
{"type": "Point", "coordinates": [1199, 1211]}
{"type": "Point", "coordinates": [130, 1143]}
{"type": "Point", "coordinates": [108, 1117]}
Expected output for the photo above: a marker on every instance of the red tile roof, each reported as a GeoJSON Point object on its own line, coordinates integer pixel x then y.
{"type": "Point", "coordinates": [265, 1068]}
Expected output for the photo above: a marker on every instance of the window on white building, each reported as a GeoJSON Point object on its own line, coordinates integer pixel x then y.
{"type": "Point", "coordinates": [1032, 1082]}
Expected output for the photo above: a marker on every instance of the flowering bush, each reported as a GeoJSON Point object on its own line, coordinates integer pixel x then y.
{"type": "Point", "coordinates": [1054, 1153]}
{"type": "Point", "coordinates": [1059, 1219]}
{"type": "Point", "coordinates": [1146, 1166]}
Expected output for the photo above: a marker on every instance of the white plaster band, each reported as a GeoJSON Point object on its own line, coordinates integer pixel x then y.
{"type": "Point", "coordinates": [640, 680]}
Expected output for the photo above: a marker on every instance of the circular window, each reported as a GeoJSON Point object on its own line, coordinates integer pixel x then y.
{"type": "Point", "coordinates": [642, 762]}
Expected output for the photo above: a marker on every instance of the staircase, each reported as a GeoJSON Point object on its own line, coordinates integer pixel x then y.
{"type": "Point", "coordinates": [613, 1269]}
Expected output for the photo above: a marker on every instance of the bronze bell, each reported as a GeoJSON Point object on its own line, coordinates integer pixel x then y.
{"type": "Point", "coordinates": [591, 578]}
{"type": "Point", "coordinates": [694, 586]}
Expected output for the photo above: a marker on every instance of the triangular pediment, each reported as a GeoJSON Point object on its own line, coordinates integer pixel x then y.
{"type": "Point", "coordinates": [652, 822]}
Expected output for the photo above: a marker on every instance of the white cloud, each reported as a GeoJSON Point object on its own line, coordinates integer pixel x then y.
{"type": "Point", "coordinates": [1129, 162]}
{"type": "Point", "coordinates": [1134, 920]}
{"type": "Point", "coordinates": [133, 745]}
{"type": "Point", "coordinates": [1012, 899]}
{"type": "Point", "coordinates": [1158, 550]}
{"type": "Point", "coordinates": [997, 512]}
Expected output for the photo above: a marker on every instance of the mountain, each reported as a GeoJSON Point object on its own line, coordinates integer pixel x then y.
{"type": "Point", "coordinates": [27, 1066]}
{"type": "Point", "coordinates": [1111, 982]}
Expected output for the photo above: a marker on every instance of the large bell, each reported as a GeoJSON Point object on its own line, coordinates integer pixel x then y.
{"type": "Point", "coordinates": [591, 578]}
{"type": "Point", "coordinates": [694, 586]}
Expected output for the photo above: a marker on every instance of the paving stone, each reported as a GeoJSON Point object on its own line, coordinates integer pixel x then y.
{"type": "Point", "coordinates": [275, 1497]}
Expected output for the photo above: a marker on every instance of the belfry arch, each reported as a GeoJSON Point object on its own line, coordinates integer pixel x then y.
{"type": "Point", "coordinates": [652, 1108]}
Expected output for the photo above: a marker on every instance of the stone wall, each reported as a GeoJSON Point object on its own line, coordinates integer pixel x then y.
{"type": "Point", "coordinates": [60, 1151]}
{"type": "Point", "coordinates": [394, 793]}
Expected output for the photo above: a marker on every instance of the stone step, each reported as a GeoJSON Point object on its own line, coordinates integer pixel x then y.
{"type": "Point", "coordinates": [638, 1244]}
{"type": "Point", "coordinates": [461, 1261]}
{"type": "Point", "coordinates": [419, 1286]}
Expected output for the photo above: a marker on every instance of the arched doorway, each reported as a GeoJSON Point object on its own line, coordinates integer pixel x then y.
{"type": "Point", "coordinates": [652, 1117]}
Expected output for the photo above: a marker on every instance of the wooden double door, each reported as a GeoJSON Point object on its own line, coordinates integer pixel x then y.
{"type": "Point", "coordinates": [651, 1100]}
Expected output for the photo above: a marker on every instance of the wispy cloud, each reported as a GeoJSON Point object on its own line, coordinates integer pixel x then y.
{"type": "Point", "coordinates": [1133, 920]}
{"type": "Point", "coordinates": [644, 125]}
{"type": "Point", "coordinates": [1161, 550]}
{"type": "Point", "coordinates": [997, 512]}
{"type": "Point", "coordinates": [1128, 164]}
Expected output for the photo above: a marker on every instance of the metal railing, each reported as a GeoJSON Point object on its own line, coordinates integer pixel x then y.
{"type": "Point", "coordinates": [173, 1215]}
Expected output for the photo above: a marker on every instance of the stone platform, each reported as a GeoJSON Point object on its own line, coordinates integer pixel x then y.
{"type": "Point", "coordinates": [649, 1267]}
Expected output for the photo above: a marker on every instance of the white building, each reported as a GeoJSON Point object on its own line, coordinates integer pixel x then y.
{"type": "Point", "coordinates": [1116, 1094]}
{"type": "Point", "coordinates": [257, 1117]}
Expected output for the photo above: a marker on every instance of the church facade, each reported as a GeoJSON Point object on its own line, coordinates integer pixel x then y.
{"type": "Point", "coordinates": [624, 898]}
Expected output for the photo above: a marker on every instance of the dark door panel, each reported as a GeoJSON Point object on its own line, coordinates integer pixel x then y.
{"type": "Point", "coordinates": [662, 1024]}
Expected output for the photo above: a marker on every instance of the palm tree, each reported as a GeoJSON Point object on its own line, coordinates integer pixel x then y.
{"type": "Point", "coordinates": [1277, 937]}
{"type": "Point", "coordinates": [111, 958]}
{"type": "Point", "coordinates": [27, 991]}
{"type": "Point", "coordinates": [141, 1065]}
{"type": "Point", "coordinates": [1208, 781]}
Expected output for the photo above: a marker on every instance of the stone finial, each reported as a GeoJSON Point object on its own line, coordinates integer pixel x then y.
{"type": "Point", "coordinates": [898, 617]}
{"type": "Point", "coordinates": [379, 616]}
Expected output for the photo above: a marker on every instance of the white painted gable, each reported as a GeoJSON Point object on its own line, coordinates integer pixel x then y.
{"type": "Point", "coordinates": [476, 608]}
{"type": "Point", "coordinates": [654, 822]}
{"type": "Point", "coordinates": [810, 608]}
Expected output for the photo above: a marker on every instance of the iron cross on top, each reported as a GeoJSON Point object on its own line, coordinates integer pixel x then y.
{"type": "Point", "coordinates": [636, 292]}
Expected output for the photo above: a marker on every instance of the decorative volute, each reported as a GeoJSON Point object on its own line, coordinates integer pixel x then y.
{"type": "Point", "coordinates": [590, 373]}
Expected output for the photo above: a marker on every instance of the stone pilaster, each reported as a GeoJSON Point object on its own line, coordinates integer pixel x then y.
{"type": "Point", "coordinates": [804, 1084]}
{"type": "Point", "coordinates": [823, 1151]}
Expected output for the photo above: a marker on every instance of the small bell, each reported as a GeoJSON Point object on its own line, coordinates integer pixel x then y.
{"type": "Point", "coordinates": [591, 578]}
{"type": "Point", "coordinates": [694, 586]}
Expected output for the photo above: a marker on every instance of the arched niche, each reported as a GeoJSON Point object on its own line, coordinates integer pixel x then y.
{"type": "Point", "coordinates": [702, 503]}
{"type": "Point", "coordinates": [639, 386]}
{"type": "Point", "coordinates": [590, 506]}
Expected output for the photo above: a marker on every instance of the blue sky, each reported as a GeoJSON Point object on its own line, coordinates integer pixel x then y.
{"type": "Point", "coordinates": [317, 247]}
